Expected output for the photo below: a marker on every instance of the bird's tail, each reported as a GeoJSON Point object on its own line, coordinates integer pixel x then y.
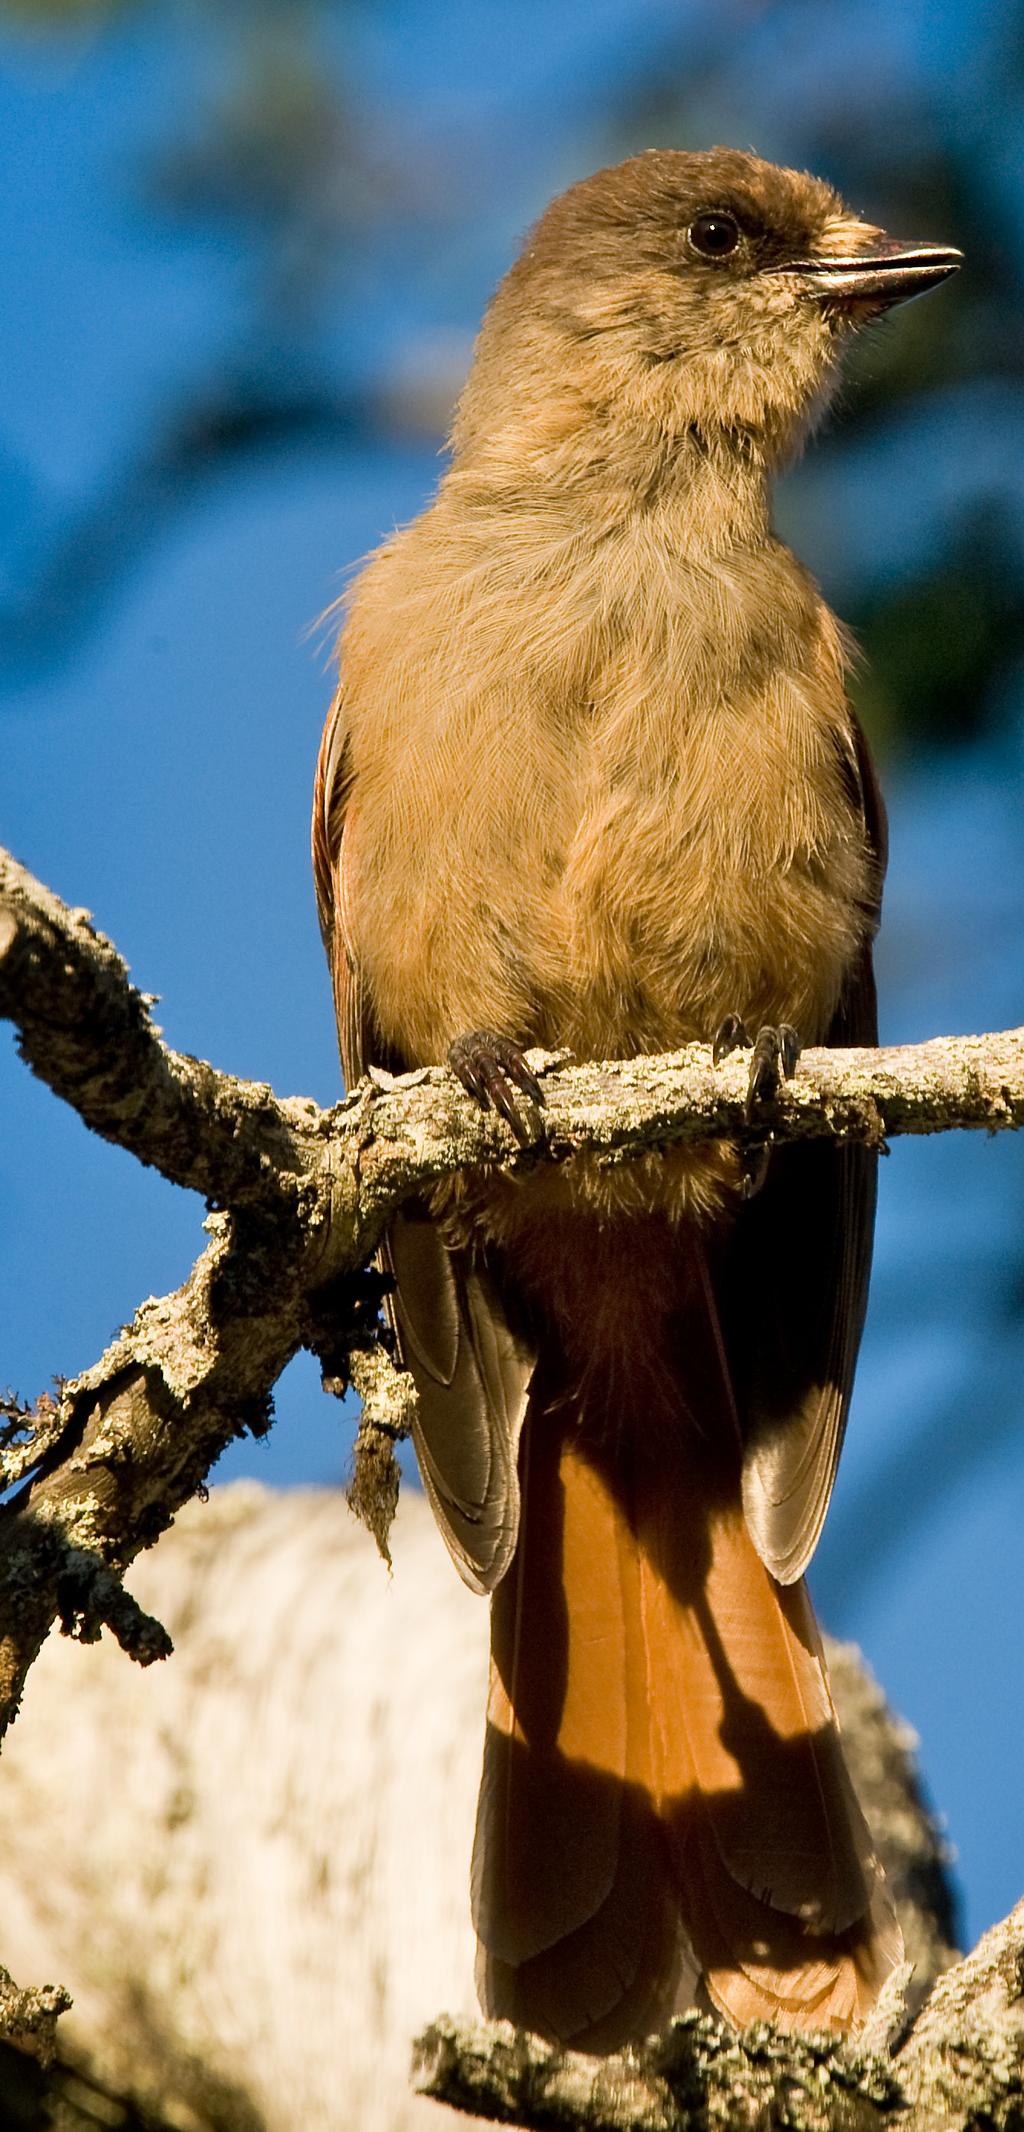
{"type": "Point", "coordinates": [665, 1814]}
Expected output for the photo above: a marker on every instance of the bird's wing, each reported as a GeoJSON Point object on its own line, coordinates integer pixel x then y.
{"type": "Point", "coordinates": [794, 1285]}
{"type": "Point", "coordinates": [332, 791]}
{"type": "Point", "coordinates": [470, 1364]}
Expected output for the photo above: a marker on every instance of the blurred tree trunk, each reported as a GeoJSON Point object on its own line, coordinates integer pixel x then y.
{"type": "Point", "coordinates": [251, 1866]}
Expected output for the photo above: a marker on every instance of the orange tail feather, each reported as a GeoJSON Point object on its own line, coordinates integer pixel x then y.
{"type": "Point", "coordinates": [665, 1815]}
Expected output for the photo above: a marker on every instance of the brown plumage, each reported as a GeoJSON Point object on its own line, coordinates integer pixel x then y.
{"type": "Point", "coordinates": [591, 779]}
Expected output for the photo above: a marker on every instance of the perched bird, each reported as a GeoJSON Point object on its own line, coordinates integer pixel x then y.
{"type": "Point", "coordinates": [591, 780]}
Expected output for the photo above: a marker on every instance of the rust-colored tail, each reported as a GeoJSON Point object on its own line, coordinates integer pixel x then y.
{"type": "Point", "coordinates": [665, 1815]}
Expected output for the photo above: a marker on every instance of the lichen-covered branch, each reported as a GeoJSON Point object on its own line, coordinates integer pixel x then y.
{"type": "Point", "coordinates": [29, 2018]}
{"type": "Point", "coordinates": [305, 1195]}
{"type": "Point", "coordinates": [963, 2062]}
{"type": "Point", "coordinates": [138, 1433]}
{"type": "Point", "coordinates": [698, 2077]}
{"type": "Point", "coordinates": [387, 1399]}
{"type": "Point", "coordinates": [85, 1030]}
{"type": "Point", "coordinates": [960, 2067]}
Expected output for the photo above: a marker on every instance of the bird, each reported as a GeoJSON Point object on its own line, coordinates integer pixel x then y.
{"type": "Point", "coordinates": [591, 781]}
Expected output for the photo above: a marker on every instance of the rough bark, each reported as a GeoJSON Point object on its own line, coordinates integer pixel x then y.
{"type": "Point", "coordinates": [958, 2069]}
{"type": "Point", "coordinates": [29, 2018]}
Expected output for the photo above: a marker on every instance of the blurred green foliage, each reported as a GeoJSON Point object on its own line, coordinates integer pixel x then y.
{"type": "Point", "coordinates": [60, 14]}
{"type": "Point", "coordinates": [942, 646]}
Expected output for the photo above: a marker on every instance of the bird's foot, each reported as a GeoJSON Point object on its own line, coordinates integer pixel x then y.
{"type": "Point", "coordinates": [775, 1054]}
{"type": "Point", "coordinates": [490, 1068]}
{"type": "Point", "coordinates": [732, 1036]}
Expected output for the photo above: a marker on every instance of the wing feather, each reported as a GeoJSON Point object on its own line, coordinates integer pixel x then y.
{"type": "Point", "coordinates": [795, 1283]}
{"type": "Point", "coordinates": [471, 1368]}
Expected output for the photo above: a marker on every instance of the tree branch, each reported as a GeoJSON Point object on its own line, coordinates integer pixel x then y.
{"type": "Point", "coordinates": [305, 1195]}
{"type": "Point", "coordinates": [960, 2067]}
{"type": "Point", "coordinates": [86, 1031]}
{"type": "Point", "coordinates": [29, 2018]}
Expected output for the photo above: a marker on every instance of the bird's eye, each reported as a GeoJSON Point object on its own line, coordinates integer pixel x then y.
{"type": "Point", "coordinates": [715, 234]}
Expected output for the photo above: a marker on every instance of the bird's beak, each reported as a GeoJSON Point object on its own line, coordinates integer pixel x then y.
{"type": "Point", "coordinates": [888, 274]}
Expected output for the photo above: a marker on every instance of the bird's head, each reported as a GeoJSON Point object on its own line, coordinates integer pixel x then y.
{"type": "Point", "coordinates": [705, 293]}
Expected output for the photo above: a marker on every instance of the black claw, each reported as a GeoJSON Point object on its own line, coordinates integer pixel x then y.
{"type": "Point", "coordinates": [486, 1065]}
{"type": "Point", "coordinates": [790, 1048]}
{"type": "Point", "coordinates": [518, 1071]}
{"type": "Point", "coordinates": [465, 1071]}
{"type": "Point", "coordinates": [732, 1036]}
{"type": "Point", "coordinates": [755, 1168]}
{"type": "Point", "coordinates": [504, 1103]}
{"type": "Point", "coordinates": [763, 1082]}
{"type": "Point", "coordinates": [776, 1052]}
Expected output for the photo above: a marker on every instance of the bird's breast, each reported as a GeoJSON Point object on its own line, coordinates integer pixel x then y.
{"type": "Point", "coordinates": [638, 824]}
{"type": "Point", "coordinates": [713, 869]}
{"type": "Point", "coordinates": [614, 899]}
